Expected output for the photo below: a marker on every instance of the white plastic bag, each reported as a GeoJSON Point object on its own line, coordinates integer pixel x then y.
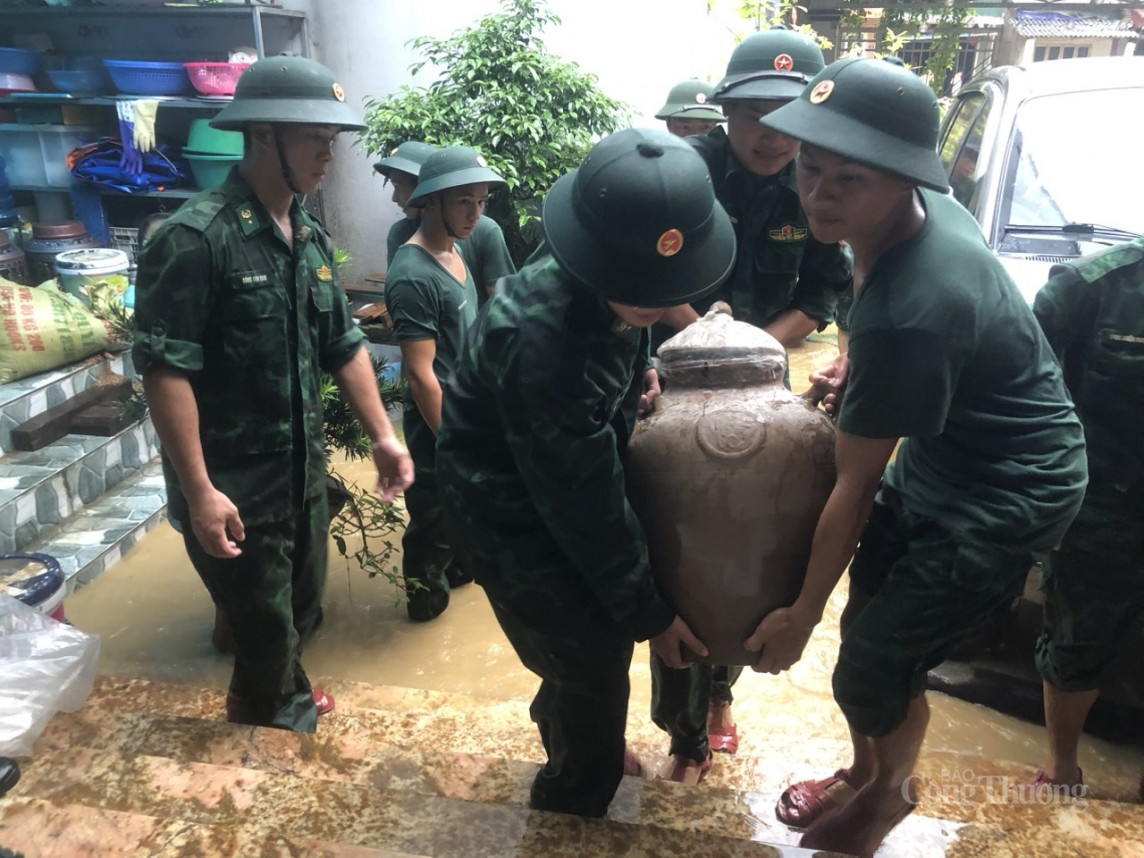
{"type": "Point", "coordinates": [45, 667]}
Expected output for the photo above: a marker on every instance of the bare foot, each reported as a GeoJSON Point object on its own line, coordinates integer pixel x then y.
{"type": "Point", "coordinates": [684, 770]}
{"type": "Point", "coordinates": [860, 826]}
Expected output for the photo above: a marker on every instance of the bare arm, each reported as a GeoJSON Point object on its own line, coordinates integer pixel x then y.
{"type": "Point", "coordinates": [358, 385]}
{"type": "Point", "coordinates": [783, 633]}
{"type": "Point", "coordinates": [417, 361]}
{"type": "Point", "coordinates": [175, 413]}
{"type": "Point", "coordinates": [791, 327]}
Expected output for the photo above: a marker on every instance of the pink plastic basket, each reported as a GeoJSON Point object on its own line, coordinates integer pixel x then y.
{"type": "Point", "coordinates": [215, 78]}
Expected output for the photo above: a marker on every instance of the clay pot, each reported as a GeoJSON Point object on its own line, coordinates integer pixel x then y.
{"type": "Point", "coordinates": [728, 477]}
{"type": "Point", "coordinates": [50, 238]}
{"type": "Point", "coordinates": [13, 265]}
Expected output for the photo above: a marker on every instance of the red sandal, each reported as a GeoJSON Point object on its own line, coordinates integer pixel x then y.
{"type": "Point", "coordinates": [806, 801]}
{"type": "Point", "coordinates": [323, 702]}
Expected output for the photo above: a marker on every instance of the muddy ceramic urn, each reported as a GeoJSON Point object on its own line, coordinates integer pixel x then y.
{"type": "Point", "coordinates": [728, 477]}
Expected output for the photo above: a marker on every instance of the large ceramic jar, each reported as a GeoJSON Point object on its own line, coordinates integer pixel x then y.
{"type": "Point", "coordinates": [50, 238]}
{"type": "Point", "coordinates": [728, 477]}
{"type": "Point", "coordinates": [12, 262]}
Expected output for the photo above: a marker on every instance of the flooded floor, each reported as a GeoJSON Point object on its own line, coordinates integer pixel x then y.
{"type": "Point", "coordinates": [155, 620]}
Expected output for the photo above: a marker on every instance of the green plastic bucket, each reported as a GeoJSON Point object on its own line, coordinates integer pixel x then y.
{"type": "Point", "coordinates": [82, 271]}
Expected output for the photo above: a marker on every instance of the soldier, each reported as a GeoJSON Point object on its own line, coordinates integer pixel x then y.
{"type": "Point", "coordinates": [1092, 311]}
{"type": "Point", "coordinates": [432, 300]}
{"type": "Point", "coordinates": [688, 110]}
{"type": "Point", "coordinates": [484, 250]}
{"type": "Point", "coordinates": [237, 315]}
{"type": "Point", "coordinates": [534, 424]}
{"type": "Point", "coordinates": [946, 356]}
{"type": "Point", "coordinates": [785, 281]}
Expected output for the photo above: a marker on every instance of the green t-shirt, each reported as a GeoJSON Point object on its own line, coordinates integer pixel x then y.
{"type": "Point", "coordinates": [945, 353]}
{"type": "Point", "coordinates": [426, 302]}
{"type": "Point", "coordinates": [484, 251]}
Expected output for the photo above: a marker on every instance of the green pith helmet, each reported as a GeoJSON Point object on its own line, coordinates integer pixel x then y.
{"type": "Point", "coordinates": [452, 167]}
{"type": "Point", "coordinates": [407, 157]}
{"type": "Point", "coordinates": [288, 89]}
{"type": "Point", "coordinates": [872, 112]}
{"type": "Point", "coordinates": [771, 65]}
{"type": "Point", "coordinates": [690, 100]}
{"type": "Point", "coordinates": [638, 222]}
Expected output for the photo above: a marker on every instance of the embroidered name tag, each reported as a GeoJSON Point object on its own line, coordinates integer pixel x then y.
{"type": "Point", "coordinates": [789, 232]}
{"type": "Point", "coordinates": [255, 279]}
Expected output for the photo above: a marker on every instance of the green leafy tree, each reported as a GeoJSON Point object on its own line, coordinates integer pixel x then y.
{"type": "Point", "coordinates": [531, 114]}
{"type": "Point", "coordinates": [944, 23]}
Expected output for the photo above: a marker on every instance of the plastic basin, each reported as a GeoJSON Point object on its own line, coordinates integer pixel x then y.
{"type": "Point", "coordinates": [18, 61]}
{"type": "Point", "coordinates": [204, 140]}
{"type": "Point", "coordinates": [136, 77]}
{"type": "Point", "coordinates": [210, 170]}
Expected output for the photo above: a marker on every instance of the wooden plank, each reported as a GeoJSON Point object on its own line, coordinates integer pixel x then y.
{"type": "Point", "coordinates": [103, 420]}
{"type": "Point", "coordinates": [54, 423]}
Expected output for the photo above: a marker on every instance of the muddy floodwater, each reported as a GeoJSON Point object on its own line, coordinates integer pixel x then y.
{"type": "Point", "coordinates": [155, 620]}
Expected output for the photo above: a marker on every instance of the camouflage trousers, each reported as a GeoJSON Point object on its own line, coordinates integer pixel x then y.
{"type": "Point", "coordinates": [272, 596]}
{"type": "Point", "coordinates": [680, 700]}
{"type": "Point", "coordinates": [1093, 586]}
{"type": "Point", "coordinates": [562, 633]}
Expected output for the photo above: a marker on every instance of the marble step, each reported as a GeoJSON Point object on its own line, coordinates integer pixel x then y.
{"type": "Point", "coordinates": [263, 804]}
{"type": "Point", "coordinates": [457, 747]}
{"type": "Point", "coordinates": [425, 751]}
{"type": "Point", "coordinates": [42, 489]}
{"type": "Point", "coordinates": [42, 828]}
{"type": "Point", "coordinates": [25, 398]}
{"type": "Point", "coordinates": [102, 531]}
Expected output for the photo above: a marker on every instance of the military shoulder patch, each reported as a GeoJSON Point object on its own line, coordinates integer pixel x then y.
{"type": "Point", "coordinates": [788, 232]}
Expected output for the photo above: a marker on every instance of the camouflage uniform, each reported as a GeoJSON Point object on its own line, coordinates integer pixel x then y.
{"type": "Point", "coordinates": [1092, 312]}
{"type": "Point", "coordinates": [529, 453]}
{"type": "Point", "coordinates": [253, 324]}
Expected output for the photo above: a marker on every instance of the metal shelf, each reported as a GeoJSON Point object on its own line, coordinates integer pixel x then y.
{"type": "Point", "coordinates": [180, 193]}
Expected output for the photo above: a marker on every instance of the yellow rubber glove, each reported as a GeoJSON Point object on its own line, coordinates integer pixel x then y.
{"type": "Point", "coordinates": [145, 110]}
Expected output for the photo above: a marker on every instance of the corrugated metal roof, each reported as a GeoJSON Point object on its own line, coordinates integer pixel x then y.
{"type": "Point", "coordinates": [1070, 25]}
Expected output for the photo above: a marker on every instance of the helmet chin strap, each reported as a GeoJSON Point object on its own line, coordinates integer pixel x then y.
{"type": "Point", "coordinates": [444, 220]}
{"type": "Point", "coordinates": [287, 173]}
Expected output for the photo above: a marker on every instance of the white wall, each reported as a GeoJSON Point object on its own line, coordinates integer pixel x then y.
{"type": "Point", "coordinates": [637, 48]}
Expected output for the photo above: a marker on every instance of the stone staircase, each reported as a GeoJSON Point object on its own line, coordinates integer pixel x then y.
{"type": "Point", "coordinates": [148, 768]}
{"type": "Point", "coordinates": [83, 499]}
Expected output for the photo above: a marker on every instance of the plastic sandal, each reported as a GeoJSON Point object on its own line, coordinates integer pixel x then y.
{"type": "Point", "coordinates": [323, 701]}
{"type": "Point", "coordinates": [806, 801]}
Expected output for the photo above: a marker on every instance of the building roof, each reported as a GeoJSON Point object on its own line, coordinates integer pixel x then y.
{"type": "Point", "coordinates": [1038, 24]}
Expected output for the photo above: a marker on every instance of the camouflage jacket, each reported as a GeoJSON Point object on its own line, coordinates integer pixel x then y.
{"type": "Point", "coordinates": [1092, 312]}
{"type": "Point", "coordinates": [533, 423]}
{"type": "Point", "coordinates": [779, 265]}
{"type": "Point", "coordinates": [221, 297]}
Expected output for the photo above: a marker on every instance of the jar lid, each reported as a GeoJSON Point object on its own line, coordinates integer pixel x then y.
{"type": "Point", "coordinates": [58, 229]}
{"type": "Point", "coordinates": [91, 260]}
{"type": "Point", "coordinates": [718, 338]}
